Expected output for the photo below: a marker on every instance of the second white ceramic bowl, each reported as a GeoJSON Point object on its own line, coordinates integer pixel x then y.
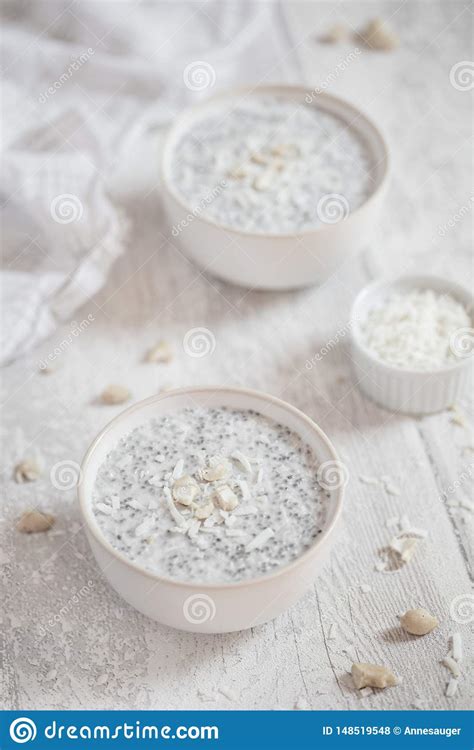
{"type": "Point", "coordinates": [405, 390]}
{"type": "Point", "coordinates": [274, 261]}
{"type": "Point", "coordinates": [211, 608]}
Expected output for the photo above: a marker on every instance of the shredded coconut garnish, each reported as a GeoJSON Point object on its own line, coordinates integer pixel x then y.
{"type": "Point", "coordinates": [145, 527]}
{"type": "Point", "coordinates": [243, 460]}
{"type": "Point", "coordinates": [369, 480]}
{"type": "Point", "coordinates": [451, 688]}
{"type": "Point", "coordinates": [413, 329]}
{"type": "Point", "coordinates": [452, 665]}
{"type": "Point", "coordinates": [245, 510]}
{"type": "Point", "coordinates": [178, 469]}
{"type": "Point", "coordinates": [401, 547]}
{"type": "Point", "coordinates": [260, 539]}
{"type": "Point", "coordinates": [456, 646]}
{"type": "Point", "coordinates": [235, 532]}
{"type": "Point", "coordinates": [176, 515]}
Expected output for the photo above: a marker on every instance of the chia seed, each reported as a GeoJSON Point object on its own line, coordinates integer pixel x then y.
{"type": "Point", "coordinates": [147, 532]}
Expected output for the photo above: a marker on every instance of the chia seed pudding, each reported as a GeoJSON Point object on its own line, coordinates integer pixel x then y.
{"type": "Point", "coordinates": [210, 495]}
{"type": "Point", "coordinates": [272, 165]}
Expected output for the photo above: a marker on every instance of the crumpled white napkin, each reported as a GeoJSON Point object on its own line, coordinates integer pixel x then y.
{"type": "Point", "coordinates": [78, 80]}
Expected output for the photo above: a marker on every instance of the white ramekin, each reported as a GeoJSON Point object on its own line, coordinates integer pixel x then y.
{"type": "Point", "coordinates": [274, 261]}
{"type": "Point", "coordinates": [211, 608]}
{"type": "Point", "coordinates": [403, 390]}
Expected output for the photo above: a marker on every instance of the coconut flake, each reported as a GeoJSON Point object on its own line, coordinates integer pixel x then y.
{"type": "Point", "coordinates": [178, 469]}
{"type": "Point", "coordinates": [145, 527]}
{"type": "Point", "coordinates": [260, 539]}
{"type": "Point", "coordinates": [389, 487]}
{"type": "Point", "coordinates": [404, 546]}
{"type": "Point", "coordinates": [368, 480]}
{"type": "Point", "coordinates": [244, 488]}
{"type": "Point", "coordinates": [155, 481]}
{"type": "Point", "coordinates": [452, 665]}
{"type": "Point", "coordinates": [242, 460]}
{"type": "Point", "coordinates": [106, 509]}
{"type": "Point", "coordinates": [193, 528]}
{"type": "Point", "coordinates": [245, 510]}
{"type": "Point", "coordinates": [456, 645]}
{"type": "Point", "coordinates": [235, 532]}
{"type": "Point", "coordinates": [415, 532]}
{"type": "Point", "coordinates": [451, 687]}
{"type": "Point", "coordinates": [176, 515]}
{"type": "Point", "coordinates": [467, 505]}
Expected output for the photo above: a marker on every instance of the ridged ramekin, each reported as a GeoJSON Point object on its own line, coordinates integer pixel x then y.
{"type": "Point", "coordinates": [207, 607]}
{"type": "Point", "coordinates": [274, 260]}
{"type": "Point", "coordinates": [406, 390]}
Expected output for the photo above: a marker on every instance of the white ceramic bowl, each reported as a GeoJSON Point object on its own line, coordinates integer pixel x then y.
{"type": "Point", "coordinates": [274, 261]}
{"type": "Point", "coordinates": [210, 608]}
{"type": "Point", "coordinates": [405, 390]}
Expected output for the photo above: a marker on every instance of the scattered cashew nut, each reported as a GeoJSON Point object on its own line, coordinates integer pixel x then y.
{"type": "Point", "coordinates": [34, 521]}
{"type": "Point", "coordinates": [115, 394]}
{"type": "Point", "coordinates": [372, 675]}
{"type": "Point", "coordinates": [226, 498]}
{"type": "Point", "coordinates": [185, 489]}
{"type": "Point", "coordinates": [26, 471]}
{"type": "Point", "coordinates": [418, 622]}
{"type": "Point", "coordinates": [160, 353]}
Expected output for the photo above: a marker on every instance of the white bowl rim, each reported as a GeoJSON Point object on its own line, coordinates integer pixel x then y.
{"type": "Point", "coordinates": [383, 163]}
{"type": "Point", "coordinates": [93, 528]}
{"type": "Point", "coordinates": [453, 288]}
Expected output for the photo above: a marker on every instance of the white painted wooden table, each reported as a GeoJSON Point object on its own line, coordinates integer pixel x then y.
{"type": "Point", "coordinates": [64, 649]}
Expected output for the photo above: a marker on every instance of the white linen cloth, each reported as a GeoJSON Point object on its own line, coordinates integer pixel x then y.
{"type": "Point", "coordinates": [80, 81]}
